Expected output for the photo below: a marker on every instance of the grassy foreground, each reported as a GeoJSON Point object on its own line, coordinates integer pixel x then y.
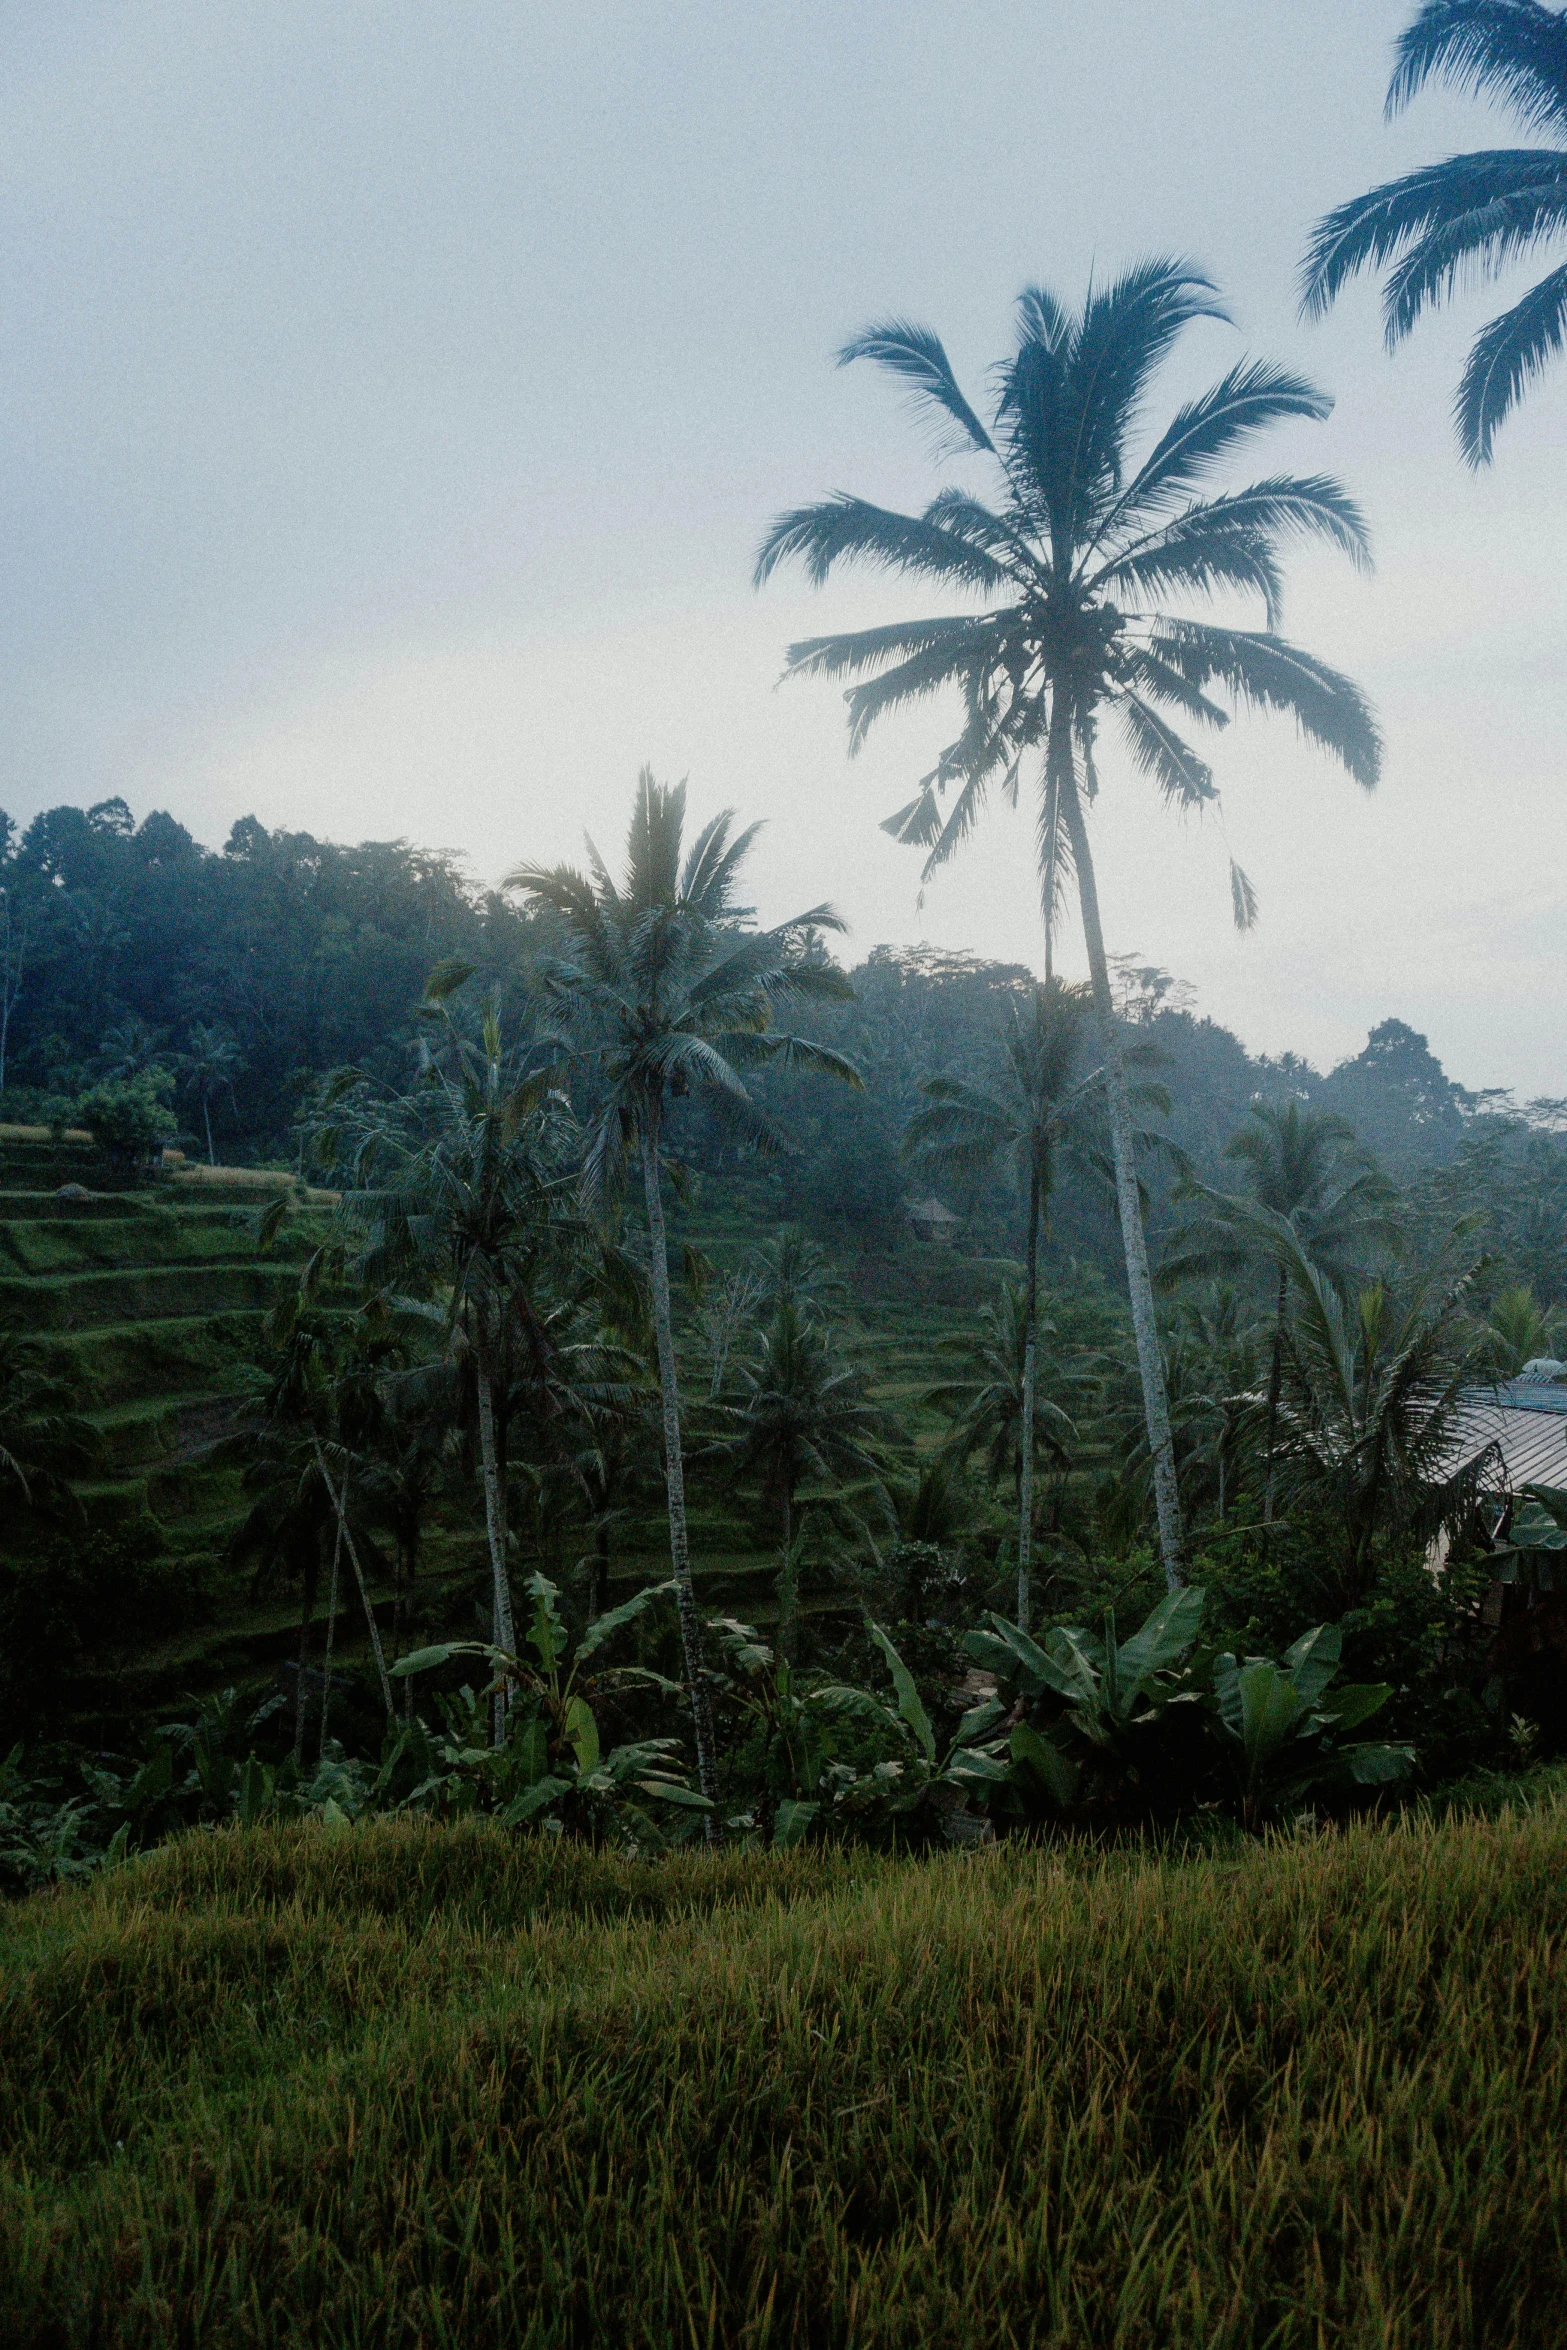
{"type": "Point", "coordinates": [406, 2084]}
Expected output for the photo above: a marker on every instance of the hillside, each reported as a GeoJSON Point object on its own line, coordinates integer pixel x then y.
{"type": "Point", "coordinates": [150, 1298]}
{"type": "Point", "coordinates": [409, 2083]}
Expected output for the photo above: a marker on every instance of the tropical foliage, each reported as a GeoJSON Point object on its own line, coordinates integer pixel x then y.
{"type": "Point", "coordinates": [1449, 224]}
{"type": "Point", "coordinates": [1066, 583]}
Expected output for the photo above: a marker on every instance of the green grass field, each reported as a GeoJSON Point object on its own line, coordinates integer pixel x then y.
{"type": "Point", "coordinates": [406, 2084]}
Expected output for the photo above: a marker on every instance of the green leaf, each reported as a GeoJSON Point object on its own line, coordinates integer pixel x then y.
{"type": "Point", "coordinates": [533, 1799]}
{"type": "Point", "coordinates": [968, 1768]}
{"type": "Point", "coordinates": [1313, 1661]}
{"type": "Point", "coordinates": [604, 1626]}
{"type": "Point", "coordinates": [1227, 1693]}
{"type": "Point", "coordinates": [1378, 1766]}
{"type": "Point", "coordinates": [1535, 1527]}
{"type": "Point", "coordinates": [1271, 1711]}
{"type": "Point", "coordinates": [791, 1821]}
{"type": "Point", "coordinates": [1164, 1637]}
{"type": "Point", "coordinates": [446, 979]}
{"type": "Point", "coordinates": [990, 1651]}
{"type": "Point", "coordinates": [425, 1660]}
{"type": "Point", "coordinates": [255, 1792]}
{"type": "Point", "coordinates": [979, 1719]}
{"type": "Point", "coordinates": [1055, 1774]}
{"type": "Point", "coordinates": [532, 1742]}
{"type": "Point", "coordinates": [673, 1791]}
{"type": "Point", "coordinates": [909, 1704]}
{"type": "Point", "coordinates": [582, 1733]}
{"type": "Point", "coordinates": [1355, 1703]}
{"type": "Point", "coordinates": [547, 1635]}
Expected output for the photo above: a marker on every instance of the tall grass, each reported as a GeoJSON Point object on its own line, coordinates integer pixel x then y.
{"type": "Point", "coordinates": [411, 2085]}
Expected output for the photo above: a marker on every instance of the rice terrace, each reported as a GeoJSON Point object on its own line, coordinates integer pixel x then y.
{"type": "Point", "coordinates": [798, 1577]}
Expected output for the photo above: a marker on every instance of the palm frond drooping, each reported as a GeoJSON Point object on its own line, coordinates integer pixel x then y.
{"type": "Point", "coordinates": [1061, 583]}
{"type": "Point", "coordinates": [1467, 219]}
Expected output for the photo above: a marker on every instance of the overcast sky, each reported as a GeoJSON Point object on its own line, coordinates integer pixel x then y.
{"type": "Point", "coordinates": [394, 396]}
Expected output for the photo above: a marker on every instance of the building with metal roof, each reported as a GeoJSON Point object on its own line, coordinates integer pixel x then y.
{"type": "Point", "coordinates": [1521, 1423]}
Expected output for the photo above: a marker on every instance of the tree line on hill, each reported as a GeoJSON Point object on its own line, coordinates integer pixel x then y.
{"type": "Point", "coordinates": [248, 975]}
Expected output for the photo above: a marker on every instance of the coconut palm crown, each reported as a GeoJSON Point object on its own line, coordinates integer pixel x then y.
{"type": "Point", "coordinates": [1466, 218]}
{"type": "Point", "coordinates": [670, 992]}
{"type": "Point", "coordinates": [1065, 580]}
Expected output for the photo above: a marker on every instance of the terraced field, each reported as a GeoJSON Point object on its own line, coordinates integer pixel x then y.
{"type": "Point", "coordinates": [152, 1297]}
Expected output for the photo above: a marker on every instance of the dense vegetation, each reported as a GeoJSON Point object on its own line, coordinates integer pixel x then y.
{"type": "Point", "coordinates": [621, 1726]}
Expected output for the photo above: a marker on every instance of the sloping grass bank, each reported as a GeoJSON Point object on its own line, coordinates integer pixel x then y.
{"type": "Point", "coordinates": [412, 2085]}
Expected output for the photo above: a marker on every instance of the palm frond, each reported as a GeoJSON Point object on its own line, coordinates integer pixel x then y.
{"type": "Point", "coordinates": [1473, 246]}
{"type": "Point", "coordinates": [847, 528]}
{"type": "Point", "coordinates": [1507, 355]}
{"type": "Point", "coordinates": [919, 359]}
{"type": "Point", "coordinates": [1158, 750]}
{"type": "Point", "coordinates": [1250, 398]}
{"type": "Point", "coordinates": [1514, 51]}
{"type": "Point", "coordinates": [1271, 674]}
{"type": "Point", "coordinates": [963, 638]}
{"type": "Point", "coordinates": [1439, 198]}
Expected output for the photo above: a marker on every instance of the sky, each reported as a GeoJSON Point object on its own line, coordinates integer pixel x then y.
{"type": "Point", "coordinates": [392, 399]}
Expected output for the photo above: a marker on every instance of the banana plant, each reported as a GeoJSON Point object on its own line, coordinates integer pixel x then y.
{"type": "Point", "coordinates": [1286, 1725]}
{"type": "Point", "coordinates": [553, 1765]}
{"type": "Point", "coordinates": [800, 1730]}
{"type": "Point", "coordinates": [1533, 1554]}
{"type": "Point", "coordinates": [1094, 1697]}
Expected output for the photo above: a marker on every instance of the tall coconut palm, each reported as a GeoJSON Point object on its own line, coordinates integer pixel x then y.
{"type": "Point", "coordinates": [1044, 1104]}
{"type": "Point", "coordinates": [1063, 581]}
{"type": "Point", "coordinates": [1305, 1167]}
{"type": "Point", "coordinates": [458, 1188]}
{"type": "Point", "coordinates": [672, 994]}
{"type": "Point", "coordinates": [208, 1068]}
{"type": "Point", "coordinates": [1467, 217]}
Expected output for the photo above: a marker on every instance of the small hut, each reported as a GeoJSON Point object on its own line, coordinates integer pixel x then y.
{"type": "Point", "coordinates": [932, 1221]}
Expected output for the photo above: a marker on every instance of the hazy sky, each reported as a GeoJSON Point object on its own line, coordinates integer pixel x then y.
{"type": "Point", "coordinates": [394, 395]}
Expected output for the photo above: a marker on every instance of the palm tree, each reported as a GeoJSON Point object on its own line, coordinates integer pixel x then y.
{"type": "Point", "coordinates": [1514, 1330]}
{"type": "Point", "coordinates": [672, 995]}
{"type": "Point", "coordinates": [1306, 1169]}
{"type": "Point", "coordinates": [128, 1048]}
{"type": "Point", "coordinates": [207, 1068]}
{"type": "Point", "coordinates": [1043, 1105]}
{"type": "Point", "coordinates": [1469, 216]}
{"type": "Point", "coordinates": [1062, 580]}
{"type": "Point", "coordinates": [997, 1409]}
{"type": "Point", "coordinates": [1370, 1396]}
{"type": "Point", "coordinates": [798, 1411]}
{"type": "Point", "coordinates": [456, 1189]}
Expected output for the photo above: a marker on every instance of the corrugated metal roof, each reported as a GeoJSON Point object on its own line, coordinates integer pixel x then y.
{"type": "Point", "coordinates": [1523, 1395]}
{"type": "Point", "coordinates": [1531, 1443]}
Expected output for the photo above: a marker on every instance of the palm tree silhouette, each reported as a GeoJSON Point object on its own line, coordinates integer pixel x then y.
{"type": "Point", "coordinates": [670, 995]}
{"type": "Point", "coordinates": [1063, 579]}
{"type": "Point", "coordinates": [1044, 1104]}
{"type": "Point", "coordinates": [1469, 216]}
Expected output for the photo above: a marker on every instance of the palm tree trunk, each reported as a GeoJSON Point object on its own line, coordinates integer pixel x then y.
{"type": "Point", "coordinates": [307, 1611]}
{"type": "Point", "coordinates": [601, 1567]}
{"type": "Point", "coordinates": [675, 1483]}
{"type": "Point", "coordinates": [206, 1112]}
{"type": "Point", "coordinates": [1156, 1402]}
{"type": "Point", "coordinates": [789, 1611]}
{"type": "Point", "coordinates": [331, 1630]}
{"type": "Point", "coordinates": [502, 1623]}
{"type": "Point", "coordinates": [1275, 1388]}
{"type": "Point", "coordinates": [338, 1505]}
{"type": "Point", "coordinates": [1025, 1522]}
